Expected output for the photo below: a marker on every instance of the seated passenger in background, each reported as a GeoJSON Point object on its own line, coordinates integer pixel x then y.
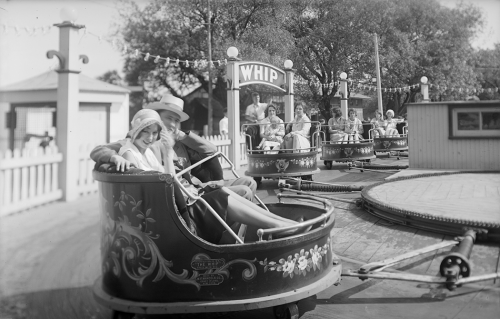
{"type": "Point", "coordinates": [336, 126]}
{"type": "Point", "coordinates": [298, 138]}
{"type": "Point", "coordinates": [391, 129]}
{"type": "Point", "coordinates": [353, 127]}
{"type": "Point", "coordinates": [379, 124]}
{"type": "Point", "coordinates": [272, 131]}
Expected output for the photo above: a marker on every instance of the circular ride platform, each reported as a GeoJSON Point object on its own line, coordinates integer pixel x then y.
{"type": "Point", "coordinates": [447, 203]}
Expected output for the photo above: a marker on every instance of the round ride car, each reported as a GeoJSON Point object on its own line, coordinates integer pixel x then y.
{"type": "Point", "coordinates": [391, 143]}
{"type": "Point", "coordinates": [153, 264]}
{"type": "Point", "coordinates": [282, 163]}
{"type": "Point", "coordinates": [361, 150]}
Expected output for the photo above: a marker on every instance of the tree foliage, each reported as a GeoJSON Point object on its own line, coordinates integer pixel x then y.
{"type": "Point", "coordinates": [322, 37]}
{"type": "Point", "coordinates": [112, 77]}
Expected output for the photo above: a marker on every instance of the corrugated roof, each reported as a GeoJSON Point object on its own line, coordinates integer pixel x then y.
{"type": "Point", "coordinates": [48, 81]}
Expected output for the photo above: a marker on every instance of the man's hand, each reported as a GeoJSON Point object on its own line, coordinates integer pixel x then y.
{"type": "Point", "coordinates": [122, 164]}
{"type": "Point", "coordinates": [176, 134]}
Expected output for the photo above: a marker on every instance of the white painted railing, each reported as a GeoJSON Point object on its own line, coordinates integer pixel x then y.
{"type": "Point", "coordinates": [86, 183]}
{"type": "Point", "coordinates": [222, 142]}
{"type": "Point", "coordinates": [28, 178]}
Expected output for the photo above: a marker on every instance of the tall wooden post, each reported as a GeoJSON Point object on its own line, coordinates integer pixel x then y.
{"type": "Point", "coordinates": [233, 110]}
{"type": "Point", "coordinates": [289, 107]}
{"type": "Point", "coordinates": [67, 107]}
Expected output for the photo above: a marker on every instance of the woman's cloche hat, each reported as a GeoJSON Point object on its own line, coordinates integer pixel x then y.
{"type": "Point", "coordinates": [143, 119]}
{"type": "Point", "coordinates": [170, 103]}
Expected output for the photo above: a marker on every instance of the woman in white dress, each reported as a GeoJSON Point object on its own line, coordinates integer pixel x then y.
{"type": "Point", "coordinates": [298, 138]}
{"type": "Point", "coordinates": [336, 126]}
{"type": "Point", "coordinates": [354, 127]}
{"type": "Point", "coordinates": [379, 124]}
{"type": "Point", "coordinates": [391, 129]}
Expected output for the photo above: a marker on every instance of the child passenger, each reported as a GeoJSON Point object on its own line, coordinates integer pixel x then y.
{"type": "Point", "coordinates": [273, 136]}
{"type": "Point", "coordinates": [146, 128]}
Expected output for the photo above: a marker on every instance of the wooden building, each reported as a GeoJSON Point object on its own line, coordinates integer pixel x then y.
{"type": "Point", "coordinates": [27, 109]}
{"type": "Point", "coordinates": [454, 135]}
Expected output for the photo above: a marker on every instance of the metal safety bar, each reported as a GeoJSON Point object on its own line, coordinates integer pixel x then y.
{"type": "Point", "coordinates": [230, 164]}
{"type": "Point", "coordinates": [322, 218]}
{"type": "Point", "coordinates": [314, 137]}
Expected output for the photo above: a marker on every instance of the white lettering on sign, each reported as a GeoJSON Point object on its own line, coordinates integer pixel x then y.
{"type": "Point", "coordinates": [274, 76]}
{"type": "Point", "coordinates": [246, 70]}
{"type": "Point", "coordinates": [254, 72]}
{"type": "Point", "coordinates": [258, 72]}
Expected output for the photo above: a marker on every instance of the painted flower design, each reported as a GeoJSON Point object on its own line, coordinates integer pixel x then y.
{"type": "Point", "coordinates": [316, 257]}
{"type": "Point", "coordinates": [299, 263]}
{"type": "Point", "coordinates": [288, 266]}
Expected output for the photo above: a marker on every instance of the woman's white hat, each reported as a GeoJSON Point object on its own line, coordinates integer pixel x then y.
{"type": "Point", "coordinates": [170, 103]}
{"type": "Point", "coordinates": [390, 112]}
{"type": "Point", "coordinates": [143, 119]}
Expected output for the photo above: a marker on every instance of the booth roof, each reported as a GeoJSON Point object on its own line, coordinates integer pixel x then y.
{"type": "Point", "coordinates": [48, 81]}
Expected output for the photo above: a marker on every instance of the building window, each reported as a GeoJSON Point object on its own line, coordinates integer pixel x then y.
{"type": "Point", "coordinates": [474, 122]}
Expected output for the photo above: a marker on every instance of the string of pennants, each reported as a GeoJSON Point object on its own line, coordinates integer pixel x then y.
{"type": "Point", "coordinates": [203, 63]}
{"type": "Point", "coordinates": [118, 45]}
{"type": "Point", "coordinates": [166, 61]}
{"type": "Point", "coordinates": [31, 31]}
{"type": "Point", "coordinates": [361, 86]}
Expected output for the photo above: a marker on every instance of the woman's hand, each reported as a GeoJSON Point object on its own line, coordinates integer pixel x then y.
{"type": "Point", "coordinates": [121, 163]}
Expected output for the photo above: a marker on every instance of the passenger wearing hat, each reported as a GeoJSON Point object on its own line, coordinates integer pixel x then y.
{"type": "Point", "coordinates": [189, 148]}
{"type": "Point", "coordinates": [146, 128]}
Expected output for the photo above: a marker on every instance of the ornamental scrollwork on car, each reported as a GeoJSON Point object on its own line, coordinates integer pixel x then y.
{"type": "Point", "coordinates": [134, 253]}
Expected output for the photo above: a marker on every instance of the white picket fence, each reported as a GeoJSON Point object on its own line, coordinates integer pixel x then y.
{"type": "Point", "coordinates": [86, 183]}
{"type": "Point", "coordinates": [223, 142]}
{"type": "Point", "coordinates": [28, 178]}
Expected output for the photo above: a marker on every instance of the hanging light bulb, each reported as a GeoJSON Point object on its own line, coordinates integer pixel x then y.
{"type": "Point", "coordinates": [146, 57]}
{"type": "Point", "coordinates": [157, 59]}
{"type": "Point", "coordinates": [167, 62]}
{"type": "Point", "coordinates": [187, 63]}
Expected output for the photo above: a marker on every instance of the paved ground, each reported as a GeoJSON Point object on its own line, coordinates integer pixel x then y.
{"type": "Point", "coordinates": [49, 258]}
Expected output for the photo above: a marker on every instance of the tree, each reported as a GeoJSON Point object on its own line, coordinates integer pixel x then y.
{"type": "Point", "coordinates": [323, 38]}
{"type": "Point", "coordinates": [487, 68]}
{"type": "Point", "coordinates": [111, 77]}
{"type": "Point", "coordinates": [431, 40]}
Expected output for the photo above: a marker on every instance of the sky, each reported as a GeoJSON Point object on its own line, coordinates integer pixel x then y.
{"type": "Point", "coordinates": [23, 54]}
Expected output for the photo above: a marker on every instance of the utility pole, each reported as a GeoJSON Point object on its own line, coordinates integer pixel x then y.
{"type": "Point", "coordinates": [379, 84]}
{"type": "Point", "coordinates": [210, 110]}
